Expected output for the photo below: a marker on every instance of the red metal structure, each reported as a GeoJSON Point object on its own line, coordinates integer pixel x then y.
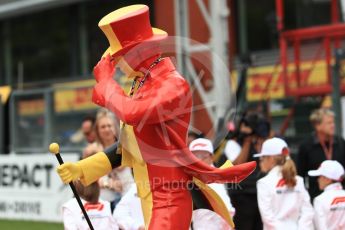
{"type": "Point", "coordinates": [329, 36]}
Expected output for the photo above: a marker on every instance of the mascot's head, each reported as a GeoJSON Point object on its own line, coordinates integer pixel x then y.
{"type": "Point", "coordinates": [134, 44]}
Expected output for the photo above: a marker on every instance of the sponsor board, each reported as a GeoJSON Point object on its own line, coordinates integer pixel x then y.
{"type": "Point", "coordinates": [31, 189]}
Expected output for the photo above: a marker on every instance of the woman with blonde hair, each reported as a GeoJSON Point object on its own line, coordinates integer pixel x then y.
{"type": "Point", "coordinates": [283, 200]}
{"type": "Point", "coordinates": [106, 129]}
{"type": "Point", "coordinates": [116, 183]}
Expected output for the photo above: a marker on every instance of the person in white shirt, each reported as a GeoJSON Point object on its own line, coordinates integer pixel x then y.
{"type": "Point", "coordinates": [128, 213]}
{"type": "Point", "coordinates": [330, 204]}
{"type": "Point", "coordinates": [98, 210]}
{"type": "Point", "coordinates": [202, 148]}
{"type": "Point", "coordinates": [283, 200]}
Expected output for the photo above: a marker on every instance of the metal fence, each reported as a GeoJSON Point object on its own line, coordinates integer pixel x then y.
{"type": "Point", "coordinates": [2, 128]}
{"type": "Point", "coordinates": [41, 116]}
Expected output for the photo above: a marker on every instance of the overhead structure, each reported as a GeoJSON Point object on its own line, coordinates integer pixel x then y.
{"type": "Point", "coordinates": [219, 100]}
{"type": "Point", "coordinates": [11, 8]}
{"type": "Point", "coordinates": [329, 36]}
{"type": "Point", "coordinates": [342, 4]}
{"type": "Point", "coordinates": [295, 79]}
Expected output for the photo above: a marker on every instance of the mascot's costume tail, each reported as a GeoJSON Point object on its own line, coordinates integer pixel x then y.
{"type": "Point", "coordinates": [155, 118]}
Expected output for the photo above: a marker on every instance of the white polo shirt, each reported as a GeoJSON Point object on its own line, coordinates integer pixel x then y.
{"type": "Point", "coordinates": [330, 208]}
{"type": "Point", "coordinates": [204, 219]}
{"type": "Point", "coordinates": [282, 207]}
{"type": "Point", "coordinates": [99, 214]}
{"type": "Point", "coordinates": [128, 212]}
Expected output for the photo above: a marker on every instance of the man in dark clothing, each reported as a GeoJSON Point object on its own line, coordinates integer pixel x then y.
{"type": "Point", "coordinates": [320, 146]}
{"type": "Point", "coordinates": [253, 130]}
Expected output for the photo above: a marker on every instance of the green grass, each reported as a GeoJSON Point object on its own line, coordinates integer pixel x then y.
{"type": "Point", "coordinates": [28, 225]}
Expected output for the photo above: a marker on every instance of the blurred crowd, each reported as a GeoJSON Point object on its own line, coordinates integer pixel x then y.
{"type": "Point", "coordinates": [301, 190]}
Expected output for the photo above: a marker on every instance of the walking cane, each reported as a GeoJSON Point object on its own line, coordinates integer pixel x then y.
{"type": "Point", "coordinates": [55, 149]}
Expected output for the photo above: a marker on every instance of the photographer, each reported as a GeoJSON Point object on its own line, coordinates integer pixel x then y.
{"type": "Point", "coordinates": [254, 129]}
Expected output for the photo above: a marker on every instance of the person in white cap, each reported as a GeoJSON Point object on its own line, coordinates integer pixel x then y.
{"type": "Point", "coordinates": [330, 204]}
{"type": "Point", "coordinates": [284, 203]}
{"type": "Point", "coordinates": [202, 148]}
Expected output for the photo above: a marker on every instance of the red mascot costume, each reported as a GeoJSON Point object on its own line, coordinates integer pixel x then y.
{"type": "Point", "coordinates": [155, 118]}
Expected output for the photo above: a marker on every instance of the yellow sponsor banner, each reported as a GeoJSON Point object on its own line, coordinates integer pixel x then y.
{"type": "Point", "coordinates": [73, 100]}
{"type": "Point", "coordinates": [31, 107]}
{"type": "Point", "coordinates": [74, 96]}
{"type": "Point", "coordinates": [5, 93]}
{"type": "Point", "coordinates": [68, 97]}
{"type": "Point", "coordinates": [77, 96]}
{"type": "Point", "coordinates": [267, 81]}
{"type": "Point", "coordinates": [75, 84]}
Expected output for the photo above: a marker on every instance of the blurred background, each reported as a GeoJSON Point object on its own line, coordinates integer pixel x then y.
{"type": "Point", "coordinates": [282, 58]}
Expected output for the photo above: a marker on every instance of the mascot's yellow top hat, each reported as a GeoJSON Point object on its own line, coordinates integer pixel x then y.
{"type": "Point", "coordinates": [127, 27]}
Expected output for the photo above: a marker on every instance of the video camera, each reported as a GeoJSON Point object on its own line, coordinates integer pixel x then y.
{"type": "Point", "coordinates": [256, 122]}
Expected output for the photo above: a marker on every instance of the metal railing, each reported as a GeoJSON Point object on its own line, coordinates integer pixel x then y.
{"type": "Point", "coordinates": [38, 117]}
{"type": "Point", "coordinates": [2, 128]}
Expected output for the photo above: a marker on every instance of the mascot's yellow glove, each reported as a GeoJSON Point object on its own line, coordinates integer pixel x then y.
{"type": "Point", "coordinates": [69, 172]}
{"type": "Point", "coordinates": [87, 170]}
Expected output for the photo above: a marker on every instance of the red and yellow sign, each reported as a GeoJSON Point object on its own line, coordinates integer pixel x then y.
{"type": "Point", "coordinates": [73, 96]}
{"type": "Point", "coordinates": [68, 97]}
{"type": "Point", "coordinates": [31, 107]}
{"type": "Point", "coordinates": [267, 81]}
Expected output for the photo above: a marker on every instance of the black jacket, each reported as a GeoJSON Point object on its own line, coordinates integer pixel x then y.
{"type": "Point", "coordinates": [311, 155]}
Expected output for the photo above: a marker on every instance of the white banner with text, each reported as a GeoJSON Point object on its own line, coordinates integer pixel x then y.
{"type": "Point", "coordinates": [30, 187]}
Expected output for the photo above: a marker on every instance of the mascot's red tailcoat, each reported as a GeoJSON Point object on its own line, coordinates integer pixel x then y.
{"type": "Point", "coordinates": [153, 139]}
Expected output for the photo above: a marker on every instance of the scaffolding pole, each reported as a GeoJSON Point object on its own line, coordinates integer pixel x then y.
{"type": "Point", "coordinates": [2, 128]}
{"type": "Point", "coordinates": [336, 97]}
{"type": "Point", "coordinates": [218, 101]}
